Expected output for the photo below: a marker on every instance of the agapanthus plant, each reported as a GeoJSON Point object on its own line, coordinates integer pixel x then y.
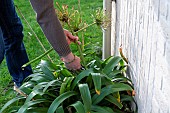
{"type": "Point", "coordinates": [101, 87]}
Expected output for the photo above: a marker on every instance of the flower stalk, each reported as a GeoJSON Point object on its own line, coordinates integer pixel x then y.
{"type": "Point", "coordinates": [38, 58]}
{"type": "Point", "coordinates": [78, 46]}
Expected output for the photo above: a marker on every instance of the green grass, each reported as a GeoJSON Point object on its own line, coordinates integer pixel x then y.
{"type": "Point", "coordinates": [33, 47]}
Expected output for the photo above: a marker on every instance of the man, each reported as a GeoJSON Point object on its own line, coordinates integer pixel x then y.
{"type": "Point", "coordinates": [13, 39]}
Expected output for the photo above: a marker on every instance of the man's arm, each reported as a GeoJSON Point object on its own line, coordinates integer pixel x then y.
{"type": "Point", "coordinates": [48, 20]}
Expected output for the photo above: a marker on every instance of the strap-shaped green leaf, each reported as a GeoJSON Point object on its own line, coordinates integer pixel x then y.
{"type": "Point", "coordinates": [49, 64]}
{"type": "Point", "coordinates": [121, 79]}
{"type": "Point", "coordinates": [11, 102]}
{"type": "Point", "coordinates": [31, 103]}
{"type": "Point", "coordinates": [86, 97]}
{"type": "Point", "coordinates": [81, 76]}
{"type": "Point", "coordinates": [97, 82]}
{"type": "Point", "coordinates": [114, 100]}
{"type": "Point", "coordinates": [28, 84]}
{"type": "Point", "coordinates": [114, 73]}
{"type": "Point", "coordinates": [41, 78]}
{"type": "Point", "coordinates": [57, 83]}
{"type": "Point", "coordinates": [28, 79]}
{"type": "Point", "coordinates": [99, 109]}
{"type": "Point", "coordinates": [33, 94]}
{"type": "Point", "coordinates": [37, 110]}
{"type": "Point", "coordinates": [59, 100]}
{"type": "Point", "coordinates": [12, 109]}
{"type": "Point", "coordinates": [109, 90]}
{"type": "Point", "coordinates": [60, 109]}
{"type": "Point", "coordinates": [26, 90]}
{"type": "Point", "coordinates": [65, 86]}
{"type": "Point", "coordinates": [66, 73]}
{"type": "Point", "coordinates": [41, 85]}
{"type": "Point", "coordinates": [109, 67]}
{"type": "Point", "coordinates": [68, 82]}
{"type": "Point", "coordinates": [79, 107]}
{"type": "Point", "coordinates": [46, 71]}
{"type": "Point", "coordinates": [97, 62]}
{"type": "Point", "coordinates": [106, 61]}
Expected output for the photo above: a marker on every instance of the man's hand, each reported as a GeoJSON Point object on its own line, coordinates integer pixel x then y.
{"type": "Point", "coordinates": [72, 62]}
{"type": "Point", "coordinates": [70, 38]}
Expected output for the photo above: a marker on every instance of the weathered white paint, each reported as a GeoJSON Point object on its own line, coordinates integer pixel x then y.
{"type": "Point", "coordinates": [107, 7]}
{"type": "Point", "coordinates": [113, 27]}
{"type": "Point", "coordinates": [143, 30]}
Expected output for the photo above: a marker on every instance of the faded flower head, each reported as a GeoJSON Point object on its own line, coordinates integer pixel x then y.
{"type": "Point", "coordinates": [63, 13]}
{"type": "Point", "coordinates": [71, 17]}
{"type": "Point", "coordinates": [101, 19]}
{"type": "Point", "coordinates": [76, 20]}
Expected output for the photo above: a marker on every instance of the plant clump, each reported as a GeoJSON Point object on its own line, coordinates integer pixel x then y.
{"type": "Point", "coordinates": [100, 87]}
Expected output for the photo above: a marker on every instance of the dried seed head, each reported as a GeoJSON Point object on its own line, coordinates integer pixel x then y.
{"type": "Point", "coordinates": [62, 13]}
{"type": "Point", "coordinates": [101, 19]}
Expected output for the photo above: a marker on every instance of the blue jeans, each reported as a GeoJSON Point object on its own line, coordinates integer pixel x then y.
{"type": "Point", "coordinates": [15, 51]}
{"type": "Point", "coordinates": [2, 48]}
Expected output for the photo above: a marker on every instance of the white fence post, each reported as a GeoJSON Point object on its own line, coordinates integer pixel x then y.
{"type": "Point", "coordinates": [107, 6]}
{"type": "Point", "coordinates": [113, 29]}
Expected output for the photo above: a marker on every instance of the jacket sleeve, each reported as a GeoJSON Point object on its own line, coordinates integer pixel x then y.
{"type": "Point", "coordinates": [49, 22]}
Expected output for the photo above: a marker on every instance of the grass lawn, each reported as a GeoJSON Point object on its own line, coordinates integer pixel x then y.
{"type": "Point", "coordinates": [33, 47]}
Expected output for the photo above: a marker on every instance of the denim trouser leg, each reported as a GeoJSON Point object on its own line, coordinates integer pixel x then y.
{"type": "Point", "coordinates": [2, 49]}
{"type": "Point", "coordinates": [13, 39]}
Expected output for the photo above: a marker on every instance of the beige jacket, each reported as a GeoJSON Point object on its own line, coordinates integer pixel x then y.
{"type": "Point", "coordinates": [48, 20]}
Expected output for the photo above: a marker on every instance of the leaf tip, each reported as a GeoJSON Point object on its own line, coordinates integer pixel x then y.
{"type": "Point", "coordinates": [118, 100]}
{"type": "Point", "coordinates": [98, 92]}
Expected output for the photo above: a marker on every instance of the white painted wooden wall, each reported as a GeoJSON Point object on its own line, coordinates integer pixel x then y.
{"type": "Point", "coordinates": [143, 30]}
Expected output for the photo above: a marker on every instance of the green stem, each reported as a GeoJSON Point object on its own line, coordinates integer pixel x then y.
{"type": "Point", "coordinates": [81, 55]}
{"type": "Point", "coordinates": [78, 46]}
{"type": "Point", "coordinates": [85, 27]}
{"type": "Point", "coordinates": [25, 65]}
